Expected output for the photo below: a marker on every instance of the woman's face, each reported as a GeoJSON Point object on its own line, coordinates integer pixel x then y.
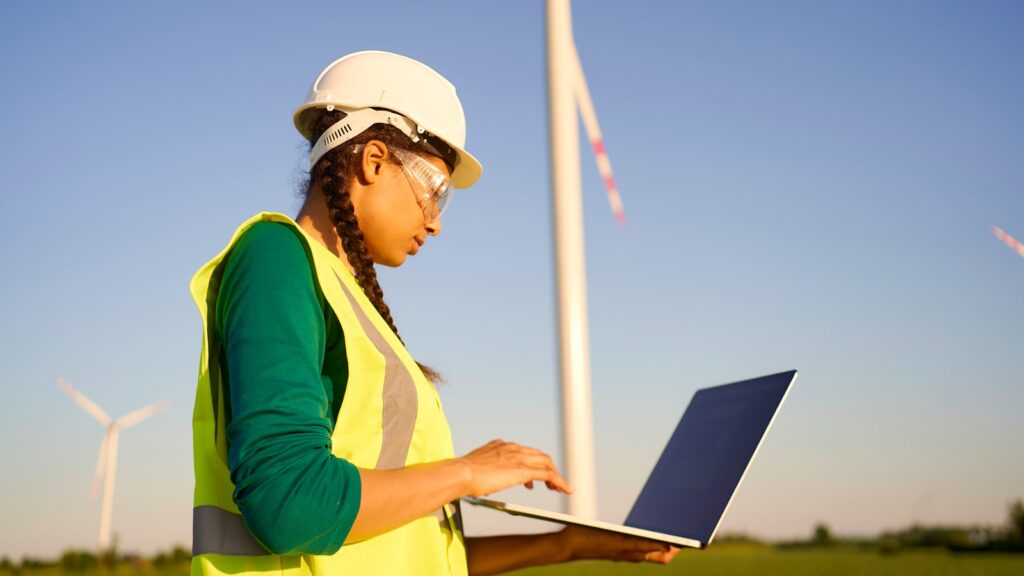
{"type": "Point", "coordinates": [384, 196]}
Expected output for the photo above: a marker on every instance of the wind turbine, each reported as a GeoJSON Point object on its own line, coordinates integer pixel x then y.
{"type": "Point", "coordinates": [567, 93]}
{"type": "Point", "coordinates": [1010, 241]}
{"type": "Point", "coordinates": [106, 464]}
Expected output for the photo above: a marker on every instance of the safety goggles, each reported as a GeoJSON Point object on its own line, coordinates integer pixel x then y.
{"type": "Point", "coordinates": [433, 190]}
{"type": "Point", "coordinates": [435, 187]}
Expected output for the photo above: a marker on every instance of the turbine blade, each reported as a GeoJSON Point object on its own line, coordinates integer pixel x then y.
{"type": "Point", "coordinates": [1010, 241]}
{"type": "Point", "coordinates": [604, 165]}
{"type": "Point", "coordinates": [88, 405]}
{"type": "Point", "coordinates": [133, 418]}
{"type": "Point", "coordinates": [101, 464]}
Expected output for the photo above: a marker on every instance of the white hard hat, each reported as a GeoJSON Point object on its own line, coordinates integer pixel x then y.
{"type": "Point", "coordinates": [423, 100]}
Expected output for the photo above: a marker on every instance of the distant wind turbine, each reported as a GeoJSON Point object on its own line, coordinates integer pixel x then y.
{"type": "Point", "coordinates": [1010, 241]}
{"type": "Point", "coordinates": [106, 464]}
{"type": "Point", "coordinates": [567, 94]}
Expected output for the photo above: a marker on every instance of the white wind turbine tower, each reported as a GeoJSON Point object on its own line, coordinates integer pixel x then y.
{"type": "Point", "coordinates": [106, 465]}
{"type": "Point", "coordinates": [567, 92]}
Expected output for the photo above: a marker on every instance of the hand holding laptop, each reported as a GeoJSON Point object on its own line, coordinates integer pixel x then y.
{"type": "Point", "coordinates": [498, 465]}
{"type": "Point", "coordinates": [591, 544]}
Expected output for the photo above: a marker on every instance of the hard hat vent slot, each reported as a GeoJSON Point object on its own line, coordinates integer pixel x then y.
{"type": "Point", "coordinates": [334, 135]}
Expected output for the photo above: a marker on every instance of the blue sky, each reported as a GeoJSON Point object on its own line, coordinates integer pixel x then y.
{"type": "Point", "coordinates": [808, 186]}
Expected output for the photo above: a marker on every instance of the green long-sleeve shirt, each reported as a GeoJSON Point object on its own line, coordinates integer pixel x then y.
{"type": "Point", "coordinates": [285, 364]}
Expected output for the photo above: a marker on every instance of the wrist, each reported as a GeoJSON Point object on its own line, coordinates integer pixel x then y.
{"type": "Point", "coordinates": [564, 547]}
{"type": "Point", "coordinates": [462, 472]}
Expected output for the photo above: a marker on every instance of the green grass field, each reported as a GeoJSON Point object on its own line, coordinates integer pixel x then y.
{"type": "Point", "coordinates": [737, 559]}
{"type": "Point", "coordinates": [729, 560]}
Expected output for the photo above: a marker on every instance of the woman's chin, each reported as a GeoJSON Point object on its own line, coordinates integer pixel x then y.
{"type": "Point", "coordinates": [391, 261]}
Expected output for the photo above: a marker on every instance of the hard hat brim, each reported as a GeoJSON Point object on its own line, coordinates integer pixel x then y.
{"type": "Point", "coordinates": [468, 170]}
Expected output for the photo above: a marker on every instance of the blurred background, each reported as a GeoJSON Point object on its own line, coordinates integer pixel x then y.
{"type": "Point", "coordinates": [808, 185]}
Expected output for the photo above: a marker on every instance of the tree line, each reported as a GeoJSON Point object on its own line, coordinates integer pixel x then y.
{"type": "Point", "coordinates": [1005, 538]}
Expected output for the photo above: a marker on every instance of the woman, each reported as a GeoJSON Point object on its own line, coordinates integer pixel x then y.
{"type": "Point", "coordinates": [320, 445]}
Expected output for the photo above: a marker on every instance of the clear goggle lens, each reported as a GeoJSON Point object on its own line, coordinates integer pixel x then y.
{"type": "Point", "coordinates": [435, 189]}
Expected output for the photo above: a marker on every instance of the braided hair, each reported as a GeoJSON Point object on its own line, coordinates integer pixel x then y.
{"type": "Point", "coordinates": [331, 173]}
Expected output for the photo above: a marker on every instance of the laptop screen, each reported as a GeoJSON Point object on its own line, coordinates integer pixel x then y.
{"type": "Point", "coordinates": [705, 459]}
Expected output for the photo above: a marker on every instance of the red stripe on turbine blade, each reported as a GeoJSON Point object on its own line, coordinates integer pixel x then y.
{"type": "Point", "coordinates": [1010, 241]}
{"type": "Point", "coordinates": [609, 181]}
{"type": "Point", "coordinates": [1003, 236]}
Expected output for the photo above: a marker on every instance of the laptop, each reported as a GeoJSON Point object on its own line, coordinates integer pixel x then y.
{"type": "Point", "coordinates": [689, 491]}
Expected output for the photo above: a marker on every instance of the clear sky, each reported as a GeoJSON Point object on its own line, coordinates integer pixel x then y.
{"type": "Point", "coordinates": [808, 185]}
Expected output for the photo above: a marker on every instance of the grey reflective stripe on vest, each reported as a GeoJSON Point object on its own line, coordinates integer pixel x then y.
{"type": "Point", "coordinates": [217, 531]}
{"type": "Point", "coordinates": [455, 507]}
{"type": "Point", "coordinates": [401, 400]}
{"type": "Point", "coordinates": [457, 514]}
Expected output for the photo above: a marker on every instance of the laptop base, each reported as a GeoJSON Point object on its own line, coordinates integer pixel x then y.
{"type": "Point", "coordinates": [560, 518]}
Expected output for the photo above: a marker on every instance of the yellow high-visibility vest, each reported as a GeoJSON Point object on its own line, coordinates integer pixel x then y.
{"type": "Point", "coordinates": [391, 417]}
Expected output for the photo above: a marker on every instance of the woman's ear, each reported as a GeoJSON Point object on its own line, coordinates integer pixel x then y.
{"type": "Point", "coordinates": [371, 162]}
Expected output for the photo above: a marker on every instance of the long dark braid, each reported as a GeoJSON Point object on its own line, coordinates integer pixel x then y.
{"type": "Point", "coordinates": [331, 173]}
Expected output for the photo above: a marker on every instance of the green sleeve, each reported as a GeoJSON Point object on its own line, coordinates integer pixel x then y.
{"type": "Point", "coordinates": [294, 495]}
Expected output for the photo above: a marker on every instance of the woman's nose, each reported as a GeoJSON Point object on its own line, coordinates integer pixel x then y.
{"type": "Point", "coordinates": [434, 226]}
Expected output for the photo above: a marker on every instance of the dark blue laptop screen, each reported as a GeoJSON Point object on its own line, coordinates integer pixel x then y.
{"type": "Point", "coordinates": [707, 455]}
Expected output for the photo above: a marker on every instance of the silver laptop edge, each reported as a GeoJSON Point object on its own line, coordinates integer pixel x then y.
{"type": "Point", "coordinates": [565, 518]}
{"type": "Point", "coordinates": [752, 456]}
